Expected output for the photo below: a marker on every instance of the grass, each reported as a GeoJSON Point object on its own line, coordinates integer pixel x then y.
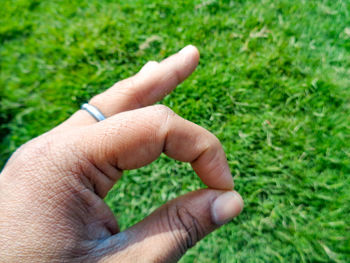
{"type": "Point", "coordinates": [273, 84]}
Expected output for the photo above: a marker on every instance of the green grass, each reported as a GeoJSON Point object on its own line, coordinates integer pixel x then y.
{"type": "Point", "coordinates": [273, 84]}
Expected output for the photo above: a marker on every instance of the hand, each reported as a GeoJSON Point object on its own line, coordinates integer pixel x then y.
{"type": "Point", "coordinates": [52, 188]}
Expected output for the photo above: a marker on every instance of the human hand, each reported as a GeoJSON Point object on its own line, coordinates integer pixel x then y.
{"type": "Point", "coordinates": [52, 188]}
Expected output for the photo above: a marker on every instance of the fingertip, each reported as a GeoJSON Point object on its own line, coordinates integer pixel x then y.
{"type": "Point", "coordinates": [227, 178]}
{"type": "Point", "coordinates": [213, 169]}
{"type": "Point", "coordinates": [189, 49]}
{"type": "Point", "coordinates": [226, 183]}
{"type": "Point", "coordinates": [232, 183]}
{"type": "Point", "coordinates": [191, 52]}
{"type": "Point", "coordinates": [223, 181]}
{"type": "Point", "coordinates": [226, 207]}
{"type": "Point", "coordinates": [196, 52]}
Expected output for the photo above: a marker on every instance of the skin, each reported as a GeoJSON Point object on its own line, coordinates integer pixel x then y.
{"type": "Point", "coordinates": [52, 188]}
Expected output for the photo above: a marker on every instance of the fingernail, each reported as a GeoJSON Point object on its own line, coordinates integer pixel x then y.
{"type": "Point", "coordinates": [186, 49]}
{"type": "Point", "coordinates": [226, 206]}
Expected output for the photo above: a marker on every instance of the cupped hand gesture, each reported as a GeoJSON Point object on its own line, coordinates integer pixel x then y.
{"type": "Point", "coordinates": [52, 188]}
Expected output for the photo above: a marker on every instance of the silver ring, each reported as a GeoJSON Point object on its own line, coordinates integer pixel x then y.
{"type": "Point", "coordinates": [94, 112]}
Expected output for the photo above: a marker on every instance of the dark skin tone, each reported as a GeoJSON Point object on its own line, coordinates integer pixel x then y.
{"type": "Point", "coordinates": [52, 188]}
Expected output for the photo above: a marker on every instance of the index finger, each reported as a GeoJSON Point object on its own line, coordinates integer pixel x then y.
{"type": "Point", "coordinates": [136, 138]}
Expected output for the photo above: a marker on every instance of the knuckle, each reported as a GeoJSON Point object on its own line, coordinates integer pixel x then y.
{"type": "Point", "coordinates": [215, 142]}
{"type": "Point", "coordinates": [40, 152]}
{"type": "Point", "coordinates": [41, 146]}
{"type": "Point", "coordinates": [32, 155]}
{"type": "Point", "coordinates": [185, 226]}
{"type": "Point", "coordinates": [136, 95]}
{"type": "Point", "coordinates": [46, 149]}
{"type": "Point", "coordinates": [165, 115]}
{"type": "Point", "coordinates": [163, 110]}
{"type": "Point", "coordinates": [152, 63]}
{"type": "Point", "coordinates": [212, 142]}
{"type": "Point", "coordinates": [127, 90]}
{"type": "Point", "coordinates": [176, 74]}
{"type": "Point", "coordinates": [149, 66]}
{"type": "Point", "coordinates": [33, 150]}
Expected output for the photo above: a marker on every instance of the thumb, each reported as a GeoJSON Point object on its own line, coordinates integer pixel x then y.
{"type": "Point", "coordinates": [168, 232]}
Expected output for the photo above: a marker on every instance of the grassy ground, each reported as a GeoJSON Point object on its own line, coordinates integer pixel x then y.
{"type": "Point", "coordinates": [273, 84]}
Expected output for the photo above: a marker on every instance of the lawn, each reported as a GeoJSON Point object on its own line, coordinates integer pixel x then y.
{"type": "Point", "coordinates": [273, 84]}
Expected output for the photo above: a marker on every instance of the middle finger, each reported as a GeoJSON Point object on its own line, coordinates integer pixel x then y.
{"type": "Point", "coordinates": [151, 84]}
